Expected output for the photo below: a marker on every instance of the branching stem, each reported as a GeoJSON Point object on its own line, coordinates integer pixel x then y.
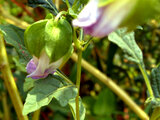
{"type": "Point", "coordinates": [77, 43]}
{"type": "Point", "coordinates": [36, 115]}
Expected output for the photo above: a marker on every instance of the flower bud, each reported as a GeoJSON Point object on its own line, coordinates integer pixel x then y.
{"type": "Point", "coordinates": [101, 17]}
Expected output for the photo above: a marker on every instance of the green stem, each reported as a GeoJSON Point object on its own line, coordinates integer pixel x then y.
{"type": "Point", "coordinates": [57, 4]}
{"type": "Point", "coordinates": [76, 41]}
{"type": "Point", "coordinates": [36, 114]}
{"type": "Point", "coordinates": [9, 80]}
{"type": "Point", "coordinates": [113, 86]}
{"type": "Point", "coordinates": [78, 82]}
{"type": "Point", "coordinates": [76, 6]}
{"type": "Point", "coordinates": [144, 73]}
{"type": "Point", "coordinates": [60, 14]}
{"type": "Point", "coordinates": [81, 34]}
{"type": "Point", "coordinates": [75, 2]}
{"type": "Point", "coordinates": [5, 107]}
{"type": "Point", "coordinates": [87, 43]}
{"type": "Point", "coordinates": [67, 3]}
{"type": "Point", "coordinates": [64, 77]}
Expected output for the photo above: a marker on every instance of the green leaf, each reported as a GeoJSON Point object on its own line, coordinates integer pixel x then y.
{"type": "Point", "coordinates": [44, 3]}
{"type": "Point", "coordinates": [45, 90]}
{"type": "Point", "coordinates": [126, 41]}
{"type": "Point", "coordinates": [14, 36]}
{"type": "Point", "coordinates": [105, 104]}
{"type": "Point", "coordinates": [70, 2]}
{"type": "Point", "coordinates": [84, 1]}
{"type": "Point", "coordinates": [82, 110]}
{"type": "Point", "coordinates": [72, 13]}
{"type": "Point", "coordinates": [28, 84]}
{"type": "Point", "coordinates": [155, 81]}
{"type": "Point", "coordinates": [58, 37]}
{"type": "Point", "coordinates": [34, 37]}
{"type": "Point", "coordinates": [56, 107]}
{"type": "Point", "coordinates": [80, 1]}
{"type": "Point", "coordinates": [20, 67]}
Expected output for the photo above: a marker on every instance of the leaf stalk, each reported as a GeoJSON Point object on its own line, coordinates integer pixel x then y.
{"type": "Point", "coordinates": [144, 73]}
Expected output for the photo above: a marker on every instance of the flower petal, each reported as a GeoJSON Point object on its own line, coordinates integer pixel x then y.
{"type": "Point", "coordinates": [88, 15]}
{"type": "Point", "coordinates": [100, 21]}
{"type": "Point", "coordinates": [31, 66]}
{"type": "Point", "coordinates": [43, 64]}
{"type": "Point", "coordinates": [112, 16]}
{"type": "Point", "coordinates": [55, 65]}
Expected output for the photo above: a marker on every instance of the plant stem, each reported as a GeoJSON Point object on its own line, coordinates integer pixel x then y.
{"type": "Point", "coordinates": [9, 80]}
{"type": "Point", "coordinates": [36, 114]}
{"type": "Point", "coordinates": [67, 3]}
{"type": "Point", "coordinates": [144, 73]}
{"type": "Point", "coordinates": [114, 87]}
{"type": "Point", "coordinates": [78, 82]}
{"type": "Point", "coordinates": [88, 42]}
{"type": "Point", "coordinates": [13, 20]}
{"type": "Point", "coordinates": [60, 14]}
{"type": "Point", "coordinates": [57, 4]}
{"type": "Point", "coordinates": [64, 77]}
{"type": "Point", "coordinates": [76, 41]}
{"type": "Point", "coordinates": [75, 2]}
{"type": "Point", "coordinates": [79, 48]}
{"type": "Point", "coordinates": [5, 107]}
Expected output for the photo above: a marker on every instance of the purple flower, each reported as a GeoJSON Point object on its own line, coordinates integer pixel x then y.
{"type": "Point", "coordinates": [41, 67]}
{"type": "Point", "coordinates": [100, 21]}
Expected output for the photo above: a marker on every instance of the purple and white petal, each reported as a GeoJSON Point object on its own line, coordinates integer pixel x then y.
{"type": "Point", "coordinates": [112, 16]}
{"type": "Point", "coordinates": [100, 21]}
{"type": "Point", "coordinates": [31, 66]}
{"type": "Point", "coordinates": [88, 15]}
{"type": "Point", "coordinates": [53, 66]}
{"type": "Point", "coordinates": [43, 64]}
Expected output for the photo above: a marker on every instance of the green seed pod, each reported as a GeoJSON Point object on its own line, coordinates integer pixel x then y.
{"type": "Point", "coordinates": [58, 38]}
{"type": "Point", "coordinates": [53, 36]}
{"type": "Point", "coordinates": [34, 37]}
